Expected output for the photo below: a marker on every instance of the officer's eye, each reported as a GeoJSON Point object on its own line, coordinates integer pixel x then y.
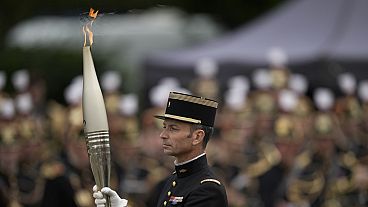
{"type": "Point", "coordinates": [173, 128]}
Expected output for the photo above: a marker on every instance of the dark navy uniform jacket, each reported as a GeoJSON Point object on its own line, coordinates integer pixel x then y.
{"type": "Point", "coordinates": [193, 184]}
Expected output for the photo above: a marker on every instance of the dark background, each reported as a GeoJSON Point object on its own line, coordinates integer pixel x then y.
{"type": "Point", "coordinates": [230, 13]}
{"type": "Point", "coordinates": [58, 67]}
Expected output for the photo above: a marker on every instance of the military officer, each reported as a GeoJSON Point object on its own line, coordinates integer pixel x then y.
{"type": "Point", "coordinates": [187, 127]}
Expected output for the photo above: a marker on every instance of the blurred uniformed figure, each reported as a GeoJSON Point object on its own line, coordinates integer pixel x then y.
{"type": "Point", "coordinates": [278, 68]}
{"type": "Point", "coordinates": [264, 104]}
{"type": "Point", "coordinates": [288, 102]}
{"type": "Point", "coordinates": [23, 131]}
{"type": "Point", "coordinates": [349, 111]}
{"type": "Point", "coordinates": [31, 134]}
{"type": "Point", "coordinates": [23, 151]}
{"type": "Point", "coordinates": [57, 186]}
{"type": "Point", "coordinates": [123, 128]}
{"type": "Point", "coordinates": [131, 167]}
{"type": "Point", "coordinates": [205, 84]}
{"type": "Point", "coordinates": [322, 174]}
{"type": "Point", "coordinates": [348, 105]}
{"type": "Point", "coordinates": [67, 170]}
{"type": "Point", "coordinates": [187, 127]}
{"type": "Point", "coordinates": [110, 84]}
{"type": "Point", "coordinates": [363, 96]}
{"type": "Point", "coordinates": [226, 150]}
{"type": "Point", "coordinates": [128, 109]}
{"type": "Point", "coordinates": [76, 156]}
{"type": "Point", "coordinates": [236, 113]}
{"type": "Point", "coordinates": [258, 144]}
{"type": "Point", "coordinates": [304, 108]}
{"type": "Point", "coordinates": [10, 152]}
{"type": "Point", "coordinates": [361, 172]}
{"type": "Point", "coordinates": [274, 158]}
{"type": "Point", "coordinates": [287, 143]}
{"type": "Point", "coordinates": [299, 84]}
{"type": "Point", "coordinates": [57, 123]}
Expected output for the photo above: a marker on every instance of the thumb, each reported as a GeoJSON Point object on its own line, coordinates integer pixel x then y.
{"type": "Point", "coordinates": [95, 189]}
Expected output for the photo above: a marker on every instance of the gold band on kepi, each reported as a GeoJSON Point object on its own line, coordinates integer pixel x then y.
{"type": "Point", "coordinates": [189, 108]}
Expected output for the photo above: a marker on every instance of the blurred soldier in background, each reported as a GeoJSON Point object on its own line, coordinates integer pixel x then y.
{"type": "Point", "coordinates": [258, 144]}
{"type": "Point", "coordinates": [264, 104]}
{"type": "Point", "coordinates": [205, 84]}
{"type": "Point", "coordinates": [76, 158]}
{"type": "Point", "coordinates": [304, 107]}
{"type": "Point", "coordinates": [110, 84]}
{"type": "Point", "coordinates": [58, 190]}
{"type": "Point", "coordinates": [132, 166]}
{"type": "Point", "coordinates": [20, 130]}
{"type": "Point", "coordinates": [363, 96]}
{"type": "Point", "coordinates": [10, 152]}
{"type": "Point", "coordinates": [226, 150]}
{"type": "Point", "coordinates": [349, 112]}
{"type": "Point", "coordinates": [280, 154]}
{"type": "Point", "coordinates": [299, 84]}
{"type": "Point", "coordinates": [361, 152]}
{"type": "Point", "coordinates": [322, 175]}
{"type": "Point", "coordinates": [278, 69]}
{"type": "Point", "coordinates": [31, 134]}
{"type": "Point", "coordinates": [287, 143]}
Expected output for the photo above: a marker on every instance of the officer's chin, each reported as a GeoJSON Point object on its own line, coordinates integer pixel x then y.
{"type": "Point", "coordinates": [167, 151]}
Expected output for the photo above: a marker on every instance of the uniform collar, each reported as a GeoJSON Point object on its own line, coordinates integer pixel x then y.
{"type": "Point", "coordinates": [191, 166]}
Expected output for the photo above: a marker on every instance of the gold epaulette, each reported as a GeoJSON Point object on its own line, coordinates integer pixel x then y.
{"type": "Point", "coordinates": [51, 170]}
{"type": "Point", "coordinates": [303, 159]}
{"type": "Point", "coordinates": [211, 180]}
{"type": "Point", "coordinates": [306, 190]}
{"type": "Point", "coordinates": [269, 157]}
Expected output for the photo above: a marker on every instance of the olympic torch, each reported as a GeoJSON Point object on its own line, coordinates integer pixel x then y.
{"type": "Point", "coordinates": [95, 120]}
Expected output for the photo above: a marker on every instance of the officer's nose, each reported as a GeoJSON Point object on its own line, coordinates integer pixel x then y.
{"type": "Point", "coordinates": [163, 134]}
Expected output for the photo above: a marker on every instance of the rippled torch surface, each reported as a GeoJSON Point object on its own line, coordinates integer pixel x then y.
{"type": "Point", "coordinates": [95, 123]}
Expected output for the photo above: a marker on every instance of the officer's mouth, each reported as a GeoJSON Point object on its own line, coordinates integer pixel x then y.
{"type": "Point", "coordinates": [166, 146]}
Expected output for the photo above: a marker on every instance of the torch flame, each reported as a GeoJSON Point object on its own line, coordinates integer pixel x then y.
{"type": "Point", "coordinates": [87, 29]}
{"type": "Point", "coordinates": [92, 13]}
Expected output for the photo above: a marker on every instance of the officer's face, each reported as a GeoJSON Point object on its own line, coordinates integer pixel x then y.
{"type": "Point", "coordinates": [176, 138]}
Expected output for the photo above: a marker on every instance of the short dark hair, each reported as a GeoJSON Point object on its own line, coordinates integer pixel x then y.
{"type": "Point", "coordinates": [208, 132]}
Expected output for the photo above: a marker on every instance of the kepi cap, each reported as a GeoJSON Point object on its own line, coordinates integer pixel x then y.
{"type": "Point", "coordinates": [189, 108]}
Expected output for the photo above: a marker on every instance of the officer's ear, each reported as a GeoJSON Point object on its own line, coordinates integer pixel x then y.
{"type": "Point", "coordinates": [198, 136]}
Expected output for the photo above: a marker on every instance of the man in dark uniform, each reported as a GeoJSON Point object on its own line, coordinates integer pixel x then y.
{"type": "Point", "coordinates": [187, 128]}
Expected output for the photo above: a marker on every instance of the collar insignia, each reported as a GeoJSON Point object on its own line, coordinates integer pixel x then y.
{"type": "Point", "coordinates": [183, 170]}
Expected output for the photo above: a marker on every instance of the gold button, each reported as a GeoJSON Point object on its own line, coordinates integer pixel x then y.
{"type": "Point", "coordinates": [169, 193]}
{"type": "Point", "coordinates": [165, 203]}
{"type": "Point", "coordinates": [173, 183]}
